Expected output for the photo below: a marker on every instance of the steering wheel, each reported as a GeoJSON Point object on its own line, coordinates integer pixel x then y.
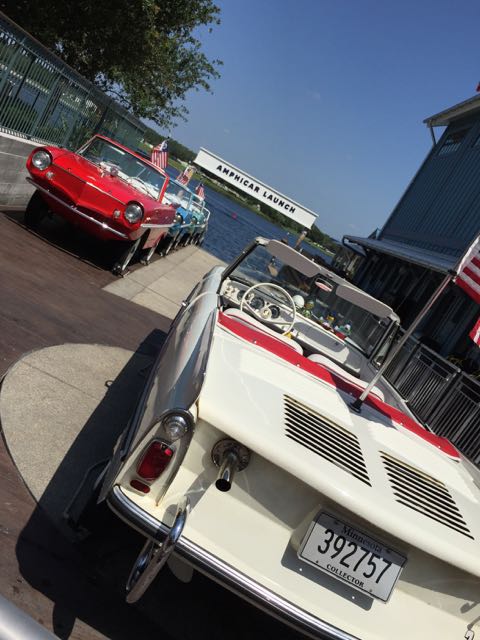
{"type": "Point", "coordinates": [265, 314]}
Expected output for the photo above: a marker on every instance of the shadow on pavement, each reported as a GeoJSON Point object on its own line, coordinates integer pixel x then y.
{"type": "Point", "coordinates": [66, 572]}
{"type": "Point", "coordinates": [86, 580]}
{"type": "Point", "coordinates": [75, 242]}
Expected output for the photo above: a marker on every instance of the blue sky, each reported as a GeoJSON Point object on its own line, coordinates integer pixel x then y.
{"type": "Point", "coordinates": [324, 100]}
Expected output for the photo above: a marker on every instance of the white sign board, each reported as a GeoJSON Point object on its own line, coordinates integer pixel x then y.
{"type": "Point", "coordinates": [263, 193]}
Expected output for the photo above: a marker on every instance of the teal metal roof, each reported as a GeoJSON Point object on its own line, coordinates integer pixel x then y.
{"type": "Point", "coordinates": [413, 255]}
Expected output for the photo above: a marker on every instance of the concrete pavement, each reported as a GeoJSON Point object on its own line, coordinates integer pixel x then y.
{"type": "Point", "coordinates": [163, 285]}
{"type": "Point", "coordinates": [63, 407]}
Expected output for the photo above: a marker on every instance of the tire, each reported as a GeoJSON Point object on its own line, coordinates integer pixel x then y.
{"type": "Point", "coordinates": [128, 254]}
{"type": "Point", "coordinates": [36, 211]}
{"type": "Point", "coordinates": [169, 248]}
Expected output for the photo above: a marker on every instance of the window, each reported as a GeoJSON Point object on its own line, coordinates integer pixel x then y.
{"type": "Point", "coordinates": [452, 142]}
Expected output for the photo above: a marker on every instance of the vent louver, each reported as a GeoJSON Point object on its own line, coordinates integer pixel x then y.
{"type": "Point", "coordinates": [424, 494]}
{"type": "Point", "coordinates": [328, 440]}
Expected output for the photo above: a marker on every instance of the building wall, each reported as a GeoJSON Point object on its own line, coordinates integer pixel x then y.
{"type": "Point", "coordinates": [440, 210]}
{"type": "Point", "coordinates": [15, 191]}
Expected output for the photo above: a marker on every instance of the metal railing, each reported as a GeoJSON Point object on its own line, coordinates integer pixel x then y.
{"type": "Point", "coordinates": [43, 99]}
{"type": "Point", "coordinates": [440, 394]}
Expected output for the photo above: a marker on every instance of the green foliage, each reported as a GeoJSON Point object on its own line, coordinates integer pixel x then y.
{"type": "Point", "coordinates": [141, 52]}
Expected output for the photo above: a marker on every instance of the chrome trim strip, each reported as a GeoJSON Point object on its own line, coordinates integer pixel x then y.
{"type": "Point", "coordinates": [148, 225]}
{"type": "Point", "coordinates": [104, 225]}
{"type": "Point", "coordinates": [177, 376]}
{"type": "Point", "coordinates": [224, 573]}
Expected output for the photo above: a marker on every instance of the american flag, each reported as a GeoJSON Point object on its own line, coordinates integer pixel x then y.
{"type": "Point", "coordinates": [186, 175]}
{"type": "Point", "coordinates": [468, 277]}
{"type": "Point", "coordinates": [475, 333]}
{"type": "Point", "coordinates": [160, 155]}
{"type": "Point", "coordinates": [200, 191]}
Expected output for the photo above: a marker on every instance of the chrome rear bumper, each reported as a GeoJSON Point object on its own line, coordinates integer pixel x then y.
{"type": "Point", "coordinates": [224, 573]}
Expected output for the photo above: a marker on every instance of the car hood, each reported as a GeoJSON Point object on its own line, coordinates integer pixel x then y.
{"type": "Point", "coordinates": [90, 173]}
{"type": "Point", "coordinates": [368, 463]}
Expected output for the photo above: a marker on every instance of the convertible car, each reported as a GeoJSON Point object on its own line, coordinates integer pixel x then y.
{"type": "Point", "coordinates": [192, 218]}
{"type": "Point", "coordinates": [248, 459]}
{"type": "Point", "coordinates": [107, 190]}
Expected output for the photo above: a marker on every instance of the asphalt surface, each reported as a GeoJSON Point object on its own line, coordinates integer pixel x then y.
{"type": "Point", "coordinates": [51, 293]}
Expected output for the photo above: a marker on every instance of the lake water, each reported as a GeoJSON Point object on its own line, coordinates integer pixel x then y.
{"type": "Point", "coordinates": [232, 227]}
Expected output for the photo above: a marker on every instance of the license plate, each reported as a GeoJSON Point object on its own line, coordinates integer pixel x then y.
{"type": "Point", "coordinates": [352, 556]}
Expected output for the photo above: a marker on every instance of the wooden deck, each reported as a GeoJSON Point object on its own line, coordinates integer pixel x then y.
{"type": "Point", "coordinates": [49, 295]}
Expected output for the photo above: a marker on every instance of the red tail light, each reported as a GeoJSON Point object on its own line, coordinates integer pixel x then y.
{"type": "Point", "coordinates": [155, 460]}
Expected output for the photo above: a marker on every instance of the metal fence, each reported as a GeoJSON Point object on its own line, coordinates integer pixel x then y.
{"type": "Point", "coordinates": [43, 99]}
{"type": "Point", "coordinates": [442, 396]}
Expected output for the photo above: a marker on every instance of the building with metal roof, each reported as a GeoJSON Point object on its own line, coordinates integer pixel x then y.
{"type": "Point", "coordinates": [429, 230]}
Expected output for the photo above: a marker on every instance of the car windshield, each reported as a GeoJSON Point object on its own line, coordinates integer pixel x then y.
{"type": "Point", "coordinates": [177, 194]}
{"type": "Point", "coordinates": [125, 165]}
{"type": "Point", "coordinates": [316, 299]}
{"type": "Point", "coordinates": [197, 204]}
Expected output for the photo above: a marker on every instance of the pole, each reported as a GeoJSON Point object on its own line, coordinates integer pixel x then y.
{"type": "Point", "coordinates": [357, 404]}
{"type": "Point", "coordinates": [300, 239]}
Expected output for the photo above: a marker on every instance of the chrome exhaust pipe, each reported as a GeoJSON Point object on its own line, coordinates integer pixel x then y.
{"type": "Point", "coordinates": [230, 456]}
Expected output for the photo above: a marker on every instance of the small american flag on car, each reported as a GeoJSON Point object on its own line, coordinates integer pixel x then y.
{"type": "Point", "coordinates": [468, 272]}
{"type": "Point", "coordinates": [200, 191]}
{"type": "Point", "coordinates": [160, 155]}
{"type": "Point", "coordinates": [186, 175]}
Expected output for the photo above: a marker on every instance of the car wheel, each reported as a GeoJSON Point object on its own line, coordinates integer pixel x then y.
{"type": "Point", "coordinates": [131, 249]}
{"type": "Point", "coordinates": [36, 210]}
{"type": "Point", "coordinates": [169, 247]}
{"type": "Point", "coordinates": [161, 246]}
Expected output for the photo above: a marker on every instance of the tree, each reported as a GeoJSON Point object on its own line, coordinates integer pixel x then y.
{"type": "Point", "coordinates": [141, 52]}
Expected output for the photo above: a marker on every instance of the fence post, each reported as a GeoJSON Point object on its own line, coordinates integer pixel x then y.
{"type": "Point", "coordinates": [102, 117]}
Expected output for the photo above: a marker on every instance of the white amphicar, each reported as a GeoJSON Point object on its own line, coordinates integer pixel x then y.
{"type": "Point", "coordinates": [248, 459]}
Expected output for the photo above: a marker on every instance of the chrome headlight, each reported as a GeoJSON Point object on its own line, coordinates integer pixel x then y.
{"type": "Point", "coordinates": [194, 220]}
{"type": "Point", "coordinates": [41, 159]}
{"type": "Point", "coordinates": [178, 219]}
{"type": "Point", "coordinates": [133, 212]}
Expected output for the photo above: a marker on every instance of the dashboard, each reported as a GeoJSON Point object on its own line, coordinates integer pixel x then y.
{"type": "Point", "coordinates": [266, 307]}
{"type": "Point", "coordinates": [308, 333]}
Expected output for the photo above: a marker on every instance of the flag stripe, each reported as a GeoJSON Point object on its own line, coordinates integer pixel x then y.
{"type": "Point", "coordinates": [475, 333]}
{"type": "Point", "coordinates": [200, 191]}
{"type": "Point", "coordinates": [472, 291]}
{"type": "Point", "coordinates": [472, 274]}
{"type": "Point", "coordinates": [159, 155]}
{"type": "Point", "coordinates": [186, 175]}
{"type": "Point", "coordinates": [468, 277]}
